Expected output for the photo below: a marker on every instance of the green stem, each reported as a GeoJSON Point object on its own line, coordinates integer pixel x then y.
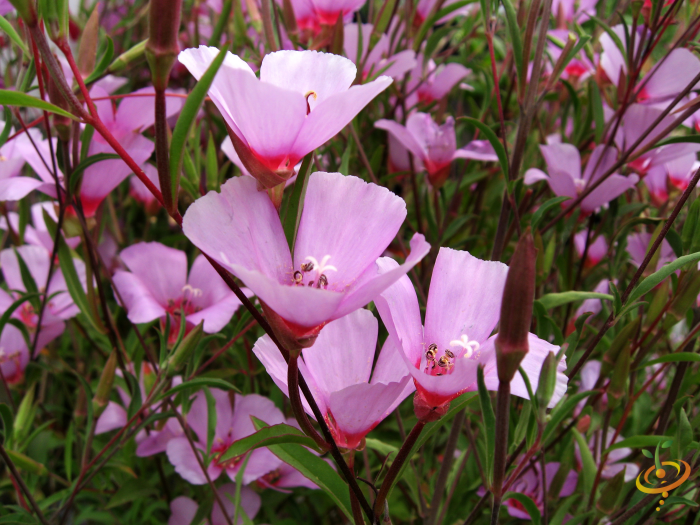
{"type": "Point", "coordinates": [501, 451]}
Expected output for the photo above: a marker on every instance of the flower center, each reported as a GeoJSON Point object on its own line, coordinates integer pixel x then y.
{"type": "Point", "coordinates": [313, 273]}
{"type": "Point", "coordinates": [5, 357]}
{"type": "Point", "coordinates": [580, 185]}
{"type": "Point", "coordinates": [443, 365]}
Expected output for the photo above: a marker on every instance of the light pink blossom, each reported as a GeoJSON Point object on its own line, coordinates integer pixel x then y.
{"type": "Point", "coordinates": [429, 82]}
{"type": "Point", "coordinates": [638, 245]}
{"type": "Point", "coordinates": [302, 99]}
{"type": "Point", "coordinates": [346, 224]}
{"type": "Point", "coordinates": [184, 509]}
{"type": "Point", "coordinates": [463, 309]}
{"type": "Point", "coordinates": [14, 354]}
{"type": "Point", "coordinates": [338, 369]}
{"type": "Point", "coordinates": [597, 248]}
{"type": "Point", "coordinates": [381, 59]}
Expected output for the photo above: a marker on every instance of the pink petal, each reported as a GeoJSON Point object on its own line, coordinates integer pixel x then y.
{"type": "Point", "coordinates": [334, 113]}
{"type": "Point", "coordinates": [182, 511]}
{"type": "Point", "coordinates": [253, 405]}
{"type": "Point", "coordinates": [217, 302]}
{"type": "Point", "coordinates": [230, 152]}
{"type": "Point", "coordinates": [325, 74]}
{"type": "Point", "coordinates": [401, 63]}
{"type": "Point", "coordinates": [113, 417]}
{"type": "Point", "coordinates": [465, 298]}
{"type": "Point", "coordinates": [613, 187]}
{"type": "Point", "coordinates": [197, 418]}
{"type": "Point", "coordinates": [261, 462]}
{"type": "Point", "coordinates": [403, 136]}
{"type": "Point", "coordinates": [16, 354]}
{"type": "Point", "coordinates": [37, 260]}
{"type": "Point", "coordinates": [679, 68]}
{"type": "Point", "coordinates": [291, 478]}
{"type": "Point", "coordinates": [446, 78]}
{"type": "Point", "coordinates": [182, 457]}
{"type": "Point", "coordinates": [250, 504]}
{"type": "Point", "coordinates": [478, 150]}
{"type": "Point", "coordinates": [400, 312]}
{"type": "Point", "coordinates": [16, 188]}
{"type": "Point", "coordinates": [343, 353]}
{"type": "Point", "coordinates": [138, 113]}
{"type": "Point", "coordinates": [534, 175]}
{"type": "Point", "coordinates": [161, 269]}
{"type": "Point", "coordinates": [601, 160]}
{"type": "Point", "coordinates": [141, 305]}
{"type": "Point", "coordinates": [563, 158]}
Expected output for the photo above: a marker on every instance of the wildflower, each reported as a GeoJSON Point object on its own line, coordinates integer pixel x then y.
{"type": "Point", "coordinates": [338, 370]}
{"type": "Point", "coordinates": [380, 59]}
{"type": "Point", "coordinates": [346, 224]}
{"type": "Point", "coordinates": [184, 509]}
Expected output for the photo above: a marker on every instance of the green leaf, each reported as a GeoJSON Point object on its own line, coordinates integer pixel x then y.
{"type": "Point", "coordinates": [493, 139]}
{"type": "Point", "coordinates": [597, 107]}
{"type": "Point", "coordinates": [7, 421]}
{"type": "Point", "coordinates": [314, 468]}
{"type": "Point", "coordinates": [130, 491]}
{"type": "Point", "coordinates": [530, 506]}
{"type": "Point", "coordinates": [647, 453]}
{"type": "Point", "coordinates": [274, 435]}
{"type": "Point", "coordinates": [676, 357]}
{"type": "Point", "coordinates": [106, 56]}
{"type": "Point", "coordinates": [381, 447]}
{"type": "Point", "coordinates": [544, 208]}
{"type": "Point", "coordinates": [562, 410]}
{"type": "Point", "coordinates": [188, 115]}
{"type": "Point", "coordinates": [516, 41]}
{"type": "Point", "coordinates": [673, 500]}
{"type": "Point", "coordinates": [295, 204]}
{"type": "Point", "coordinates": [589, 468]}
{"type": "Point", "coordinates": [22, 100]}
{"type": "Point", "coordinates": [211, 416]}
{"type": "Point", "coordinates": [489, 421]}
{"type": "Point", "coordinates": [14, 36]}
{"type": "Point", "coordinates": [197, 384]}
{"type": "Point", "coordinates": [7, 128]}
{"type": "Point", "coordinates": [552, 300]}
{"type": "Point", "coordinates": [636, 442]}
{"type": "Point", "coordinates": [657, 277]}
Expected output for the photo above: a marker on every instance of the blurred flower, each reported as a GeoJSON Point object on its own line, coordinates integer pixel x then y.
{"type": "Point", "coordinates": [37, 234]}
{"type": "Point", "coordinates": [328, 11]}
{"type": "Point", "coordinates": [380, 60]}
{"type": "Point", "coordinates": [579, 67]}
{"type": "Point", "coordinates": [14, 354]}
{"type": "Point", "coordinates": [157, 285]}
{"type": "Point", "coordinates": [530, 484]}
{"type": "Point", "coordinates": [564, 178]}
{"type": "Point", "coordinates": [338, 370]}
{"type": "Point", "coordinates": [134, 115]}
{"type": "Point", "coordinates": [59, 306]}
{"type": "Point", "coordinates": [434, 146]}
{"type": "Point", "coordinates": [429, 82]}
{"type": "Point", "coordinates": [463, 308]}
{"type": "Point", "coordinates": [573, 10]}
{"type": "Point", "coordinates": [184, 509]}
{"type": "Point", "coordinates": [426, 7]}
{"type": "Point", "coordinates": [233, 422]}
{"type": "Point", "coordinates": [302, 99]}
{"type": "Point", "coordinates": [593, 305]}
{"type": "Point", "coordinates": [346, 224]}
{"type": "Point", "coordinates": [14, 154]}
{"type": "Point", "coordinates": [141, 193]}
{"type": "Point", "coordinates": [597, 249]}
{"type": "Point", "coordinates": [614, 463]}
{"type": "Point", "coordinates": [638, 245]}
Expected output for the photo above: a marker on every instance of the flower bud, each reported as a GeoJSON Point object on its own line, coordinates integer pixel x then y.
{"type": "Point", "coordinates": [548, 381]}
{"type": "Point", "coordinates": [610, 493]}
{"type": "Point", "coordinates": [516, 309]}
{"type": "Point", "coordinates": [162, 46]}
{"type": "Point", "coordinates": [26, 10]}
{"type": "Point", "coordinates": [623, 339]}
{"type": "Point", "coordinates": [618, 382]}
{"type": "Point", "coordinates": [26, 463]}
{"type": "Point", "coordinates": [128, 58]}
{"type": "Point", "coordinates": [185, 349]}
{"type": "Point", "coordinates": [290, 19]}
{"type": "Point", "coordinates": [25, 416]}
{"type": "Point", "coordinates": [87, 52]}
{"type": "Point", "coordinates": [427, 412]}
{"type": "Point", "coordinates": [55, 16]}
{"type": "Point", "coordinates": [292, 337]}
{"type": "Point", "coordinates": [104, 387]}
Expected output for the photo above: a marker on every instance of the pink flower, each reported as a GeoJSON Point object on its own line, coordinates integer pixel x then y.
{"type": "Point", "coordinates": [14, 354]}
{"type": "Point", "coordinates": [37, 234]}
{"type": "Point", "coordinates": [434, 146]}
{"type": "Point", "coordinates": [579, 67]}
{"type": "Point", "coordinates": [305, 14]}
{"type": "Point", "coordinates": [614, 463]}
{"type": "Point", "coordinates": [463, 309]}
{"type": "Point", "coordinates": [338, 370]}
{"type": "Point", "coordinates": [59, 307]}
{"type": "Point", "coordinates": [232, 423]}
{"type": "Point", "coordinates": [184, 509]}
{"type": "Point", "coordinates": [302, 99]}
{"type": "Point", "coordinates": [132, 117]}
{"type": "Point", "coordinates": [157, 285]}
{"type": "Point", "coordinates": [530, 484]}
{"type": "Point", "coordinates": [14, 154]}
{"type": "Point", "coordinates": [328, 11]}
{"type": "Point", "coordinates": [426, 7]}
{"type": "Point", "coordinates": [431, 82]}
{"type": "Point", "coordinates": [665, 80]}
{"type": "Point", "coordinates": [638, 245]}
{"type": "Point", "coordinates": [565, 179]}
{"type": "Point", "coordinates": [593, 305]}
{"type": "Point", "coordinates": [573, 10]}
{"type": "Point", "coordinates": [381, 59]}
{"type": "Point", "coordinates": [346, 224]}
{"type": "Point", "coordinates": [597, 248]}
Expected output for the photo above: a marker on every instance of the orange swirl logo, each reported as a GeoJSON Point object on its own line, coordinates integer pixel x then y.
{"type": "Point", "coordinates": [682, 472]}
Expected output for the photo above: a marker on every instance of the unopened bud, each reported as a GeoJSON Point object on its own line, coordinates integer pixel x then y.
{"type": "Point", "coordinates": [185, 349]}
{"type": "Point", "coordinates": [25, 416]}
{"type": "Point", "coordinates": [104, 387]}
{"type": "Point", "coordinates": [55, 16]}
{"type": "Point", "coordinates": [687, 294]}
{"type": "Point", "coordinates": [516, 309]}
{"type": "Point", "coordinates": [162, 46]}
{"type": "Point", "coordinates": [26, 10]}
{"type": "Point", "coordinates": [87, 52]}
{"type": "Point", "coordinates": [618, 383]}
{"type": "Point", "coordinates": [583, 424]}
{"type": "Point", "coordinates": [548, 381]}
{"type": "Point", "coordinates": [128, 58]}
{"type": "Point", "coordinates": [290, 19]}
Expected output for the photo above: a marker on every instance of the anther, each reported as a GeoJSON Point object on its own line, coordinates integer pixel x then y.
{"type": "Point", "coordinates": [322, 281]}
{"type": "Point", "coordinates": [307, 267]}
{"type": "Point", "coordinates": [298, 277]}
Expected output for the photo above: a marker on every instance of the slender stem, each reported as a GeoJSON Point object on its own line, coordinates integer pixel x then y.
{"type": "Point", "coordinates": [162, 147]}
{"type": "Point", "coordinates": [501, 450]}
{"type": "Point", "coordinates": [297, 407]}
{"type": "Point", "coordinates": [23, 485]}
{"type": "Point", "coordinates": [445, 467]}
{"type": "Point", "coordinates": [399, 461]}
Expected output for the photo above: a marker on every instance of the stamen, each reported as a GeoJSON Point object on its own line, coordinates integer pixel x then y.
{"type": "Point", "coordinates": [306, 96]}
{"type": "Point", "coordinates": [195, 292]}
{"type": "Point", "coordinates": [298, 277]}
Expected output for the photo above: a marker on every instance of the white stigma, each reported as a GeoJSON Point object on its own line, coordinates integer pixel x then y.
{"type": "Point", "coordinates": [195, 292]}
{"type": "Point", "coordinates": [580, 185]}
{"type": "Point", "coordinates": [323, 266]}
{"type": "Point", "coordinates": [469, 346]}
